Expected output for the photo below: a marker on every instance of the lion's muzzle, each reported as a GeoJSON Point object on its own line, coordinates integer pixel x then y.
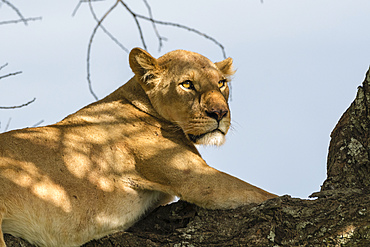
{"type": "Point", "coordinates": [215, 105]}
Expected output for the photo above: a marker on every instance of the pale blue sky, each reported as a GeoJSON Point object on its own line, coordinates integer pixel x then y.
{"type": "Point", "coordinates": [298, 67]}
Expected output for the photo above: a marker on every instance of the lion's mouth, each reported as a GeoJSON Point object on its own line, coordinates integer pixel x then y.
{"type": "Point", "coordinates": [196, 138]}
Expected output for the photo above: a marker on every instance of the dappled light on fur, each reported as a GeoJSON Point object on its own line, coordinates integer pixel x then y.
{"type": "Point", "coordinates": [26, 175]}
{"type": "Point", "coordinates": [102, 168]}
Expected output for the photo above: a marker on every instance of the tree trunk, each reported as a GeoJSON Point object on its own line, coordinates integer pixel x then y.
{"type": "Point", "coordinates": [340, 216]}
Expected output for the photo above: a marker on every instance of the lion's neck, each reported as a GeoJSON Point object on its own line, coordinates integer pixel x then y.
{"type": "Point", "coordinates": [135, 94]}
{"type": "Point", "coordinates": [130, 92]}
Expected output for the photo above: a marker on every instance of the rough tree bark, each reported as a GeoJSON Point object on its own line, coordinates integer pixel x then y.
{"type": "Point", "coordinates": [339, 216]}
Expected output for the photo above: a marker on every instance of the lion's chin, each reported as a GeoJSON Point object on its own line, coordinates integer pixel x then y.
{"type": "Point", "coordinates": [216, 138]}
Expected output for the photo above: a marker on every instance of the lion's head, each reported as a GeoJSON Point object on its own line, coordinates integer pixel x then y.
{"type": "Point", "coordinates": [188, 90]}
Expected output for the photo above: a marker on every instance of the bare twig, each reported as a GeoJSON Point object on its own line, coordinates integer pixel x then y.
{"type": "Point", "coordinates": [134, 15]}
{"type": "Point", "coordinates": [105, 30]}
{"type": "Point", "coordinates": [83, 1]}
{"type": "Point", "coordinates": [3, 66]}
{"type": "Point", "coordinates": [20, 20]}
{"type": "Point", "coordinates": [186, 28]}
{"type": "Point", "coordinates": [17, 106]}
{"type": "Point", "coordinates": [136, 18]}
{"type": "Point", "coordinates": [160, 38]}
{"type": "Point", "coordinates": [76, 8]}
{"type": "Point", "coordinates": [7, 124]}
{"type": "Point", "coordinates": [16, 10]}
{"type": "Point", "coordinates": [38, 123]}
{"type": "Point", "coordinates": [10, 74]}
{"type": "Point", "coordinates": [90, 45]}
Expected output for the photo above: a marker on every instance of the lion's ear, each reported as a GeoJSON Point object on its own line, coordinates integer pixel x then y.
{"type": "Point", "coordinates": [226, 66]}
{"type": "Point", "coordinates": [143, 65]}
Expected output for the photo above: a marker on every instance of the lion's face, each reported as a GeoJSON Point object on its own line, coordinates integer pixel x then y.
{"type": "Point", "coordinates": [188, 90]}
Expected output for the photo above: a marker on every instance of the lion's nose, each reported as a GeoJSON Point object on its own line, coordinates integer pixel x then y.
{"type": "Point", "coordinates": [217, 114]}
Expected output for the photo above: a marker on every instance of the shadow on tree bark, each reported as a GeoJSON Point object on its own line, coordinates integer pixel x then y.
{"type": "Point", "coordinates": [339, 216]}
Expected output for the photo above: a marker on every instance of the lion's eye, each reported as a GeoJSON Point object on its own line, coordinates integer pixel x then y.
{"type": "Point", "coordinates": [187, 84]}
{"type": "Point", "coordinates": [222, 83]}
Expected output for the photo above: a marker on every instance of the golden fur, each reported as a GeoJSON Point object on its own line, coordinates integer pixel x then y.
{"type": "Point", "coordinates": [102, 168]}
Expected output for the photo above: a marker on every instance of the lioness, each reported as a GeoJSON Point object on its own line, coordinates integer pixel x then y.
{"type": "Point", "coordinates": [101, 169]}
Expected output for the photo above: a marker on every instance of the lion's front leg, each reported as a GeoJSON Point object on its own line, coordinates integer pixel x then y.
{"type": "Point", "coordinates": [217, 190]}
{"type": "Point", "coordinates": [190, 178]}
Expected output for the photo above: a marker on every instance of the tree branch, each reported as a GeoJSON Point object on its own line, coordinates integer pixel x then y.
{"type": "Point", "coordinates": [13, 74]}
{"type": "Point", "coordinates": [188, 29]}
{"type": "Point", "coordinates": [160, 38]}
{"type": "Point", "coordinates": [134, 15]}
{"type": "Point", "coordinates": [16, 10]}
{"type": "Point", "coordinates": [10, 74]}
{"type": "Point", "coordinates": [136, 18]}
{"type": "Point", "coordinates": [7, 124]}
{"type": "Point", "coordinates": [104, 29]}
{"type": "Point", "coordinates": [38, 123]}
{"type": "Point", "coordinates": [17, 106]}
{"type": "Point", "coordinates": [20, 20]}
{"type": "Point", "coordinates": [90, 45]}
{"type": "Point", "coordinates": [79, 4]}
{"type": "Point", "coordinates": [3, 66]}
